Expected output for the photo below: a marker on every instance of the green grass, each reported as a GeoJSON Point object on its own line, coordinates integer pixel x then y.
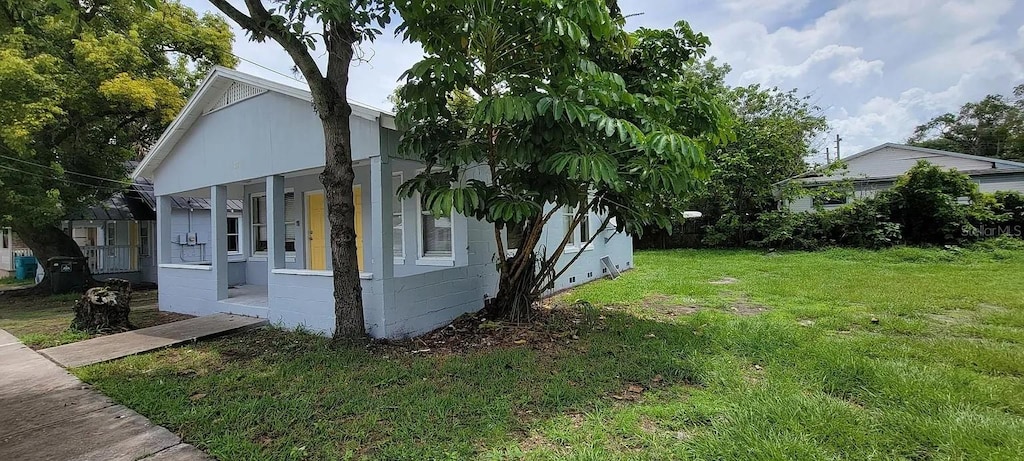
{"type": "Point", "coordinates": [42, 322]}
{"type": "Point", "coordinates": [783, 363]}
{"type": "Point", "coordinates": [13, 282]}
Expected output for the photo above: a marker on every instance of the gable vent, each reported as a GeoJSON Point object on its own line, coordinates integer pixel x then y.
{"type": "Point", "coordinates": [235, 93]}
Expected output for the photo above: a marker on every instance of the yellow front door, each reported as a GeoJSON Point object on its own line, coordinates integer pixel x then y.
{"type": "Point", "coordinates": [317, 248]}
{"type": "Point", "coordinates": [357, 200]}
{"type": "Point", "coordinates": [316, 219]}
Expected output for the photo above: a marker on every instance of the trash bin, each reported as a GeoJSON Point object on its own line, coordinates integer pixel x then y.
{"type": "Point", "coordinates": [24, 267]}
{"type": "Point", "coordinates": [67, 274]}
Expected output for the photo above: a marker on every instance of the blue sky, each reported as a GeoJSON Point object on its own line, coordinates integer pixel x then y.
{"type": "Point", "coordinates": [877, 68]}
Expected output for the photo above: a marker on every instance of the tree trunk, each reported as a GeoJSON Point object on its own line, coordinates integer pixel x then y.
{"type": "Point", "coordinates": [514, 300]}
{"type": "Point", "coordinates": [47, 242]}
{"type": "Point", "coordinates": [338, 179]}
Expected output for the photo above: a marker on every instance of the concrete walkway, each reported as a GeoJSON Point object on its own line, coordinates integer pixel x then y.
{"type": "Point", "coordinates": [48, 414]}
{"type": "Point", "coordinates": [110, 347]}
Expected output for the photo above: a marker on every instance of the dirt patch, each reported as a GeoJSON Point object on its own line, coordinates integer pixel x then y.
{"type": "Point", "coordinates": [552, 330]}
{"type": "Point", "coordinates": [724, 281]}
{"type": "Point", "coordinates": [746, 308]}
{"type": "Point", "coordinates": [649, 426]}
{"type": "Point", "coordinates": [666, 305]}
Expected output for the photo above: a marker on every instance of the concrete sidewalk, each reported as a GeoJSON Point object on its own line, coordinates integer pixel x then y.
{"type": "Point", "coordinates": [110, 347]}
{"type": "Point", "coordinates": [48, 414]}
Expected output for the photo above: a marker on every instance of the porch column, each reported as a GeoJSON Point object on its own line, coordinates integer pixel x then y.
{"type": "Point", "coordinates": [219, 238]}
{"type": "Point", "coordinates": [381, 192]}
{"type": "Point", "coordinates": [163, 229]}
{"type": "Point", "coordinates": [275, 222]}
{"type": "Point", "coordinates": [376, 305]}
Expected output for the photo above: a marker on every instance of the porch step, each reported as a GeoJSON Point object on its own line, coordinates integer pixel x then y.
{"type": "Point", "coordinates": [110, 347]}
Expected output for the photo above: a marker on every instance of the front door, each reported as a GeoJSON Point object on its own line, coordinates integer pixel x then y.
{"type": "Point", "coordinates": [315, 222]}
{"type": "Point", "coordinates": [357, 201]}
{"type": "Point", "coordinates": [316, 219]}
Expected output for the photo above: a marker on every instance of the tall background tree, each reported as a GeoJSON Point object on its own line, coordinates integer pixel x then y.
{"type": "Point", "coordinates": [85, 87]}
{"type": "Point", "coordinates": [992, 127]}
{"type": "Point", "coordinates": [567, 114]}
{"type": "Point", "coordinates": [341, 25]}
{"type": "Point", "coordinates": [774, 132]}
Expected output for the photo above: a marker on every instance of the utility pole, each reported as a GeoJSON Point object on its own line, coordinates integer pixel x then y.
{"type": "Point", "coordinates": [828, 157]}
{"type": "Point", "coordinates": [838, 139]}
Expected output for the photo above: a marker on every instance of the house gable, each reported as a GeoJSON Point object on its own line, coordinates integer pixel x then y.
{"type": "Point", "coordinates": [891, 160]}
{"type": "Point", "coordinates": [238, 126]}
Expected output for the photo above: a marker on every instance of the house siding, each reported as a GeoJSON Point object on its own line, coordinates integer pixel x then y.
{"type": "Point", "coordinates": [260, 136]}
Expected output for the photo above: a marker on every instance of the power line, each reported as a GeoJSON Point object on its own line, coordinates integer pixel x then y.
{"type": "Point", "coordinates": [261, 66]}
{"type": "Point", "coordinates": [66, 172]}
{"type": "Point", "coordinates": [94, 186]}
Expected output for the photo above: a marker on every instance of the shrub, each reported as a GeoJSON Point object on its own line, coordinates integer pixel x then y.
{"type": "Point", "coordinates": [859, 224]}
{"type": "Point", "coordinates": [926, 202]}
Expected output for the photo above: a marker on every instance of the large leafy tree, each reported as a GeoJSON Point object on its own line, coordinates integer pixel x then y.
{"type": "Point", "coordinates": [774, 130]}
{"type": "Point", "coordinates": [563, 110]}
{"type": "Point", "coordinates": [992, 127]}
{"type": "Point", "coordinates": [85, 87]}
{"type": "Point", "coordinates": [341, 26]}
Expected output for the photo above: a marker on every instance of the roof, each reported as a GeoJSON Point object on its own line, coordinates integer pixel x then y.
{"type": "Point", "coordinates": [1005, 163]}
{"type": "Point", "coordinates": [213, 87]}
{"type": "Point", "coordinates": [138, 203]}
{"type": "Point", "coordinates": [999, 166]}
{"type": "Point", "coordinates": [866, 179]}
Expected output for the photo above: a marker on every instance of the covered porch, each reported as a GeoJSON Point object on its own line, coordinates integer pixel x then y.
{"type": "Point", "coordinates": [273, 260]}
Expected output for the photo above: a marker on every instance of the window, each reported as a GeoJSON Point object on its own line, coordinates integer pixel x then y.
{"type": "Point", "coordinates": [233, 236]}
{"type": "Point", "coordinates": [514, 235]}
{"type": "Point", "coordinates": [581, 235]}
{"type": "Point", "coordinates": [258, 218]}
{"type": "Point", "coordinates": [828, 199]}
{"type": "Point", "coordinates": [436, 235]}
{"type": "Point", "coordinates": [397, 217]}
{"type": "Point", "coordinates": [144, 239]}
{"type": "Point", "coordinates": [290, 218]}
{"type": "Point", "coordinates": [5, 237]}
{"type": "Point", "coordinates": [111, 238]}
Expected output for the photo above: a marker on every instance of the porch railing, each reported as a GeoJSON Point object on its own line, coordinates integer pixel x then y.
{"type": "Point", "coordinates": [111, 259]}
{"type": "Point", "coordinates": [21, 252]}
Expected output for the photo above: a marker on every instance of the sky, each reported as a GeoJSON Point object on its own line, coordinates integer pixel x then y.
{"type": "Point", "coordinates": [877, 68]}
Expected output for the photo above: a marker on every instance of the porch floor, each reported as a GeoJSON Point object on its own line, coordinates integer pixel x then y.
{"type": "Point", "coordinates": [248, 295]}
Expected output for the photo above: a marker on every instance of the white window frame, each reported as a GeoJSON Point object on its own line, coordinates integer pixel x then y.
{"type": "Point", "coordinates": [5, 238]}
{"type": "Point", "coordinates": [397, 178]}
{"type": "Point", "coordinates": [262, 255]}
{"type": "Point", "coordinates": [145, 244]}
{"type": "Point", "coordinates": [253, 214]}
{"type": "Point", "coordinates": [238, 235]}
{"type": "Point", "coordinates": [431, 260]}
{"type": "Point", "coordinates": [577, 241]}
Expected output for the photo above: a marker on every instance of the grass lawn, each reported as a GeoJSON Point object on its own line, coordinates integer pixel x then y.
{"type": "Point", "coordinates": [14, 282]}
{"type": "Point", "coordinates": [897, 354]}
{"type": "Point", "coordinates": [43, 322]}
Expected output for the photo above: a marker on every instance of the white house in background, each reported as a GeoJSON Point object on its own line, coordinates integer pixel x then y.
{"type": "Point", "coordinates": [245, 138]}
{"type": "Point", "coordinates": [117, 236]}
{"type": "Point", "coordinates": [878, 168]}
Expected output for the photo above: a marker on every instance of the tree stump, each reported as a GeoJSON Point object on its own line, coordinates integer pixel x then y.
{"type": "Point", "coordinates": [104, 309]}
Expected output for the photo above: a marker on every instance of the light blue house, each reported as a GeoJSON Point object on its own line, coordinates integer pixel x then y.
{"type": "Point", "coordinates": [245, 138]}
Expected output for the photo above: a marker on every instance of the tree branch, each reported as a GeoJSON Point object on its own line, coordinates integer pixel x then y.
{"type": "Point", "coordinates": [260, 22]}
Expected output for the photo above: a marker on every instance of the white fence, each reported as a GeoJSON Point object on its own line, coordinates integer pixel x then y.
{"type": "Point", "coordinates": [112, 259]}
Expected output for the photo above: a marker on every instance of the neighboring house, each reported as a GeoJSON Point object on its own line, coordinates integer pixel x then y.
{"type": "Point", "coordinates": [117, 236]}
{"type": "Point", "coordinates": [877, 169]}
{"type": "Point", "coordinates": [11, 247]}
{"type": "Point", "coordinates": [245, 138]}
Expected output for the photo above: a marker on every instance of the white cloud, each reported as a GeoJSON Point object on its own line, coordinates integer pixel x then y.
{"type": "Point", "coordinates": [855, 71]}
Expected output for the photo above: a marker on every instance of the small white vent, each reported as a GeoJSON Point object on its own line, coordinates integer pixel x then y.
{"type": "Point", "coordinates": [235, 93]}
